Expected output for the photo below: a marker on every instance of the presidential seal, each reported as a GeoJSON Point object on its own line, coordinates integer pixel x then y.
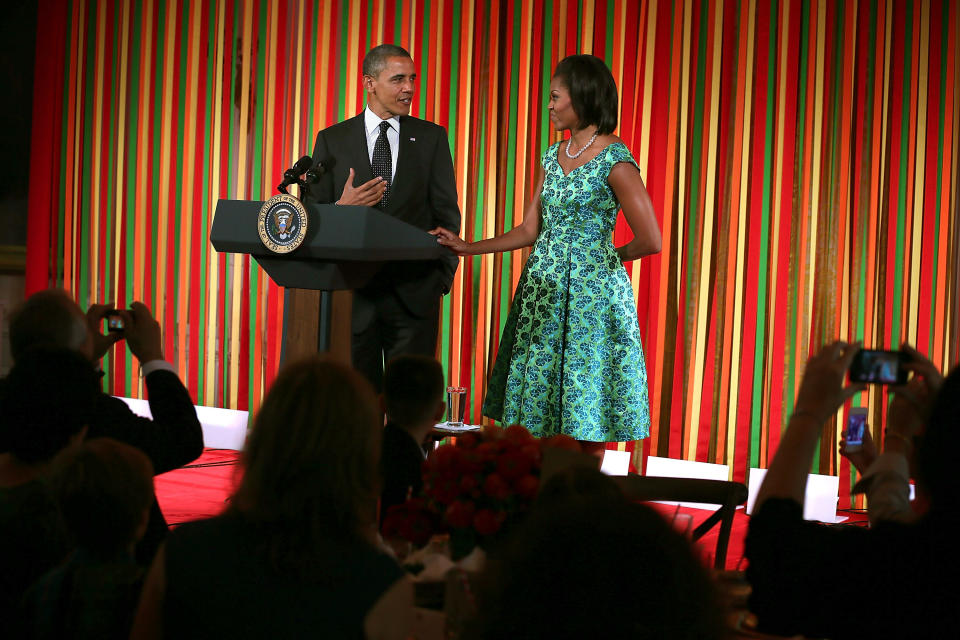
{"type": "Point", "coordinates": [282, 223]}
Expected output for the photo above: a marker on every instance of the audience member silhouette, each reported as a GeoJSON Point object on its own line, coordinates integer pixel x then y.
{"type": "Point", "coordinates": [104, 489]}
{"type": "Point", "coordinates": [296, 553]}
{"type": "Point", "coordinates": [173, 437]}
{"type": "Point", "coordinates": [886, 476]}
{"type": "Point", "coordinates": [45, 405]}
{"type": "Point", "coordinates": [577, 483]}
{"type": "Point", "coordinates": [413, 403]}
{"type": "Point", "coordinates": [895, 566]}
{"type": "Point", "coordinates": [589, 564]}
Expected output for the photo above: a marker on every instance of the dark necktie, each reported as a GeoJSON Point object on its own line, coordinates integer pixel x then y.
{"type": "Point", "coordinates": [382, 164]}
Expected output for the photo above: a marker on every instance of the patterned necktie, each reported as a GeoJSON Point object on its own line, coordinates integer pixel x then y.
{"type": "Point", "coordinates": [382, 162]}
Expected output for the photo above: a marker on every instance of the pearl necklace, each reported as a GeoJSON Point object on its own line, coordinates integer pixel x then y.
{"type": "Point", "coordinates": [574, 156]}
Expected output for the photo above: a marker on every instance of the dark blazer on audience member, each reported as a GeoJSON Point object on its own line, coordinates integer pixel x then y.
{"type": "Point", "coordinates": [220, 583]}
{"type": "Point", "coordinates": [423, 194]}
{"type": "Point", "coordinates": [171, 439]}
{"type": "Point", "coordinates": [401, 466]}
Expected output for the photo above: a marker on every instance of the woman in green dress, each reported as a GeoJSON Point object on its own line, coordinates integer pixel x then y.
{"type": "Point", "coordinates": [570, 359]}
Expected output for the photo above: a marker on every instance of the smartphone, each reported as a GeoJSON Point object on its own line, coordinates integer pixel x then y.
{"type": "Point", "coordinates": [879, 367]}
{"type": "Point", "coordinates": [114, 321]}
{"type": "Point", "coordinates": [856, 423]}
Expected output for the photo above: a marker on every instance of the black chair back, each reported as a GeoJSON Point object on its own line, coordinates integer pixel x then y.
{"type": "Point", "coordinates": [729, 495]}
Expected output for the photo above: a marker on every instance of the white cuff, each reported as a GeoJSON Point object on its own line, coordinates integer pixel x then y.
{"type": "Point", "coordinates": [149, 367]}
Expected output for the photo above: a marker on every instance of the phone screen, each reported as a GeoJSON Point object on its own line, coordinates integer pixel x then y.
{"type": "Point", "coordinates": [879, 367]}
{"type": "Point", "coordinates": [856, 422]}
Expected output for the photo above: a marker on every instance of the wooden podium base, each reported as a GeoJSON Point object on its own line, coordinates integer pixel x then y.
{"type": "Point", "coordinates": [303, 318]}
{"type": "Point", "coordinates": [340, 326]}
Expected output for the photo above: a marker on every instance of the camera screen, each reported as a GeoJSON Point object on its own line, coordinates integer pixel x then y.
{"type": "Point", "coordinates": [856, 423]}
{"type": "Point", "coordinates": [114, 323]}
{"type": "Point", "coordinates": [879, 366]}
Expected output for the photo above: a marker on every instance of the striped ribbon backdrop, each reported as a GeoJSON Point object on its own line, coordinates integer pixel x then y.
{"type": "Point", "coordinates": [802, 157]}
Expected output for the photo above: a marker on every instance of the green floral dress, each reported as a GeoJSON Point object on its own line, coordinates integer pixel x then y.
{"type": "Point", "coordinates": [570, 359]}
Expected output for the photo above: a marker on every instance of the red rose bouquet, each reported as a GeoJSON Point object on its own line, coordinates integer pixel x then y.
{"type": "Point", "coordinates": [474, 488]}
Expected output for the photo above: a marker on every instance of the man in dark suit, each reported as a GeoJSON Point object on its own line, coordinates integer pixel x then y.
{"type": "Point", "coordinates": [402, 165]}
{"type": "Point", "coordinates": [172, 438]}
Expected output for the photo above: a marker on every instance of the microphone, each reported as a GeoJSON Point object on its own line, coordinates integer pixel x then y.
{"type": "Point", "coordinates": [292, 175]}
{"type": "Point", "coordinates": [319, 169]}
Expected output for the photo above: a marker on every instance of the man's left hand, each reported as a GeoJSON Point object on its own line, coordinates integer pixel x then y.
{"type": "Point", "coordinates": [101, 342]}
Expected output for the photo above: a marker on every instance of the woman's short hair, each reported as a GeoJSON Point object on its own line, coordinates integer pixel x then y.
{"type": "Point", "coordinates": [593, 91]}
{"type": "Point", "coordinates": [311, 460]}
{"type": "Point", "coordinates": [597, 568]}
{"type": "Point", "coordinates": [105, 489]}
{"type": "Point", "coordinates": [578, 483]}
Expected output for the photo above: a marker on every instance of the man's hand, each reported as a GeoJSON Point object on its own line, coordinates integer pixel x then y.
{"type": "Point", "coordinates": [366, 195]}
{"type": "Point", "coordinates": [142, 333]}
{"type": "Point", "coordinates": [101, 342]}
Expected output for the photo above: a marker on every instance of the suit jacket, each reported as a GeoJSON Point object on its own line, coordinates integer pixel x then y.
{"type": "Point", "coordinates": [171, 439]}
{"type": "Point", "coordinates": [423, 194]}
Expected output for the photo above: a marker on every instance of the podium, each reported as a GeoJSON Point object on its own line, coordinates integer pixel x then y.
{"type": "Point", "coordinates": [343, 249]}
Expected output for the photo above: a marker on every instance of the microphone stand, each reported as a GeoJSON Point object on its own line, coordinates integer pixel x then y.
{"type": "Point", "coordinates": [294, 175]}
{"type": "Point", "coordinates": [302, 190]}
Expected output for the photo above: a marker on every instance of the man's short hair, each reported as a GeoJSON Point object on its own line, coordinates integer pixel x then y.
{"type": "Point", "coordinates": [47, 399]}
{"type": "Point", "coordinates": [47, 318]}
{"type": "Point", "coordinates": [376, 59]}
{"type": "Point", "coordinates": [412, 389]}
{"type": "Point", "coordinates": [104, 488]}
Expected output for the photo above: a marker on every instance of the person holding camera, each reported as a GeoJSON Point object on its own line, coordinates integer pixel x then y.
{"type": "Point", "coordinates": [796, 566]}
{"type": "Point", "coordinates": [885, 477]}
{"type": "Point", "coordinates": [173, 437]}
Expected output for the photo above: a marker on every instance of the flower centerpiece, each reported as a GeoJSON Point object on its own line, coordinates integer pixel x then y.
{"type": "Point", "coordinates": [474, 488]}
